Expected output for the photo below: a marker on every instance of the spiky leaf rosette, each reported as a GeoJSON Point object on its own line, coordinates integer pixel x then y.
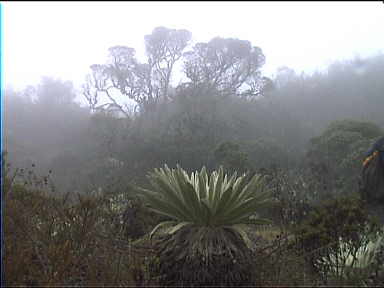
{"type": "Point", "coordinates": [208, 217]}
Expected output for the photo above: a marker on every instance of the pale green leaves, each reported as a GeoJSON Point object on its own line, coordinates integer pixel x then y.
{"type": "Point", "coordinates": [201, 200]}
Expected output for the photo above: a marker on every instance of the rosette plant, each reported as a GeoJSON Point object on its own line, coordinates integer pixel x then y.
{"type": "Point", "coordinates": [204, 237]}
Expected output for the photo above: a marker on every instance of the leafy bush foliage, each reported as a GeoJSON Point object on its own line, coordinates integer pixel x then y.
{"type": "Point", "coordinates": [335, 229]}
{"type": "Point", "coordinates": [336, 155]}
{"type": "Point", "coordinates": [232, 157]}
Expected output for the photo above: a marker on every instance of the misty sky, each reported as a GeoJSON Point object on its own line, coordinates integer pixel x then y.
{"type": "Point", "coordinates": [62, 39]}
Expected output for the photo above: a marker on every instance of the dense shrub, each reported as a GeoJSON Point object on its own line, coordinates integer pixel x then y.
{"type": "Point", "coordinates": [333, 222]}
{"type": "Point", "coordinates": [66, 240]}
{"type": "Point", "coordinates": [335, 157]}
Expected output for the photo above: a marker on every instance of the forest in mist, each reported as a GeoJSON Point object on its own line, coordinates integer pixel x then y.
{"type": "Point", "coordinates": [309, 131]}
{"type": "Point", "coordinates": [206, 120]}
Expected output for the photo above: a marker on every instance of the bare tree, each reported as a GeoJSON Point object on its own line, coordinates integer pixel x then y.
{"type": "Point", "coordinates": [145, 83]}
{"type": "Point", "coordinates": [164, 47]}
{"type": "Point", "coordinates": [230, 65]}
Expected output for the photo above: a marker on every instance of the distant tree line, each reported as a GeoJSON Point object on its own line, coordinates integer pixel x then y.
{"type": "Point", "coordinates": [223, 112]}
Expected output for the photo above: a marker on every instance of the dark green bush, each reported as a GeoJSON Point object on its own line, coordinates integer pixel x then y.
{"type": "Point", "coordinates": [333, 222]}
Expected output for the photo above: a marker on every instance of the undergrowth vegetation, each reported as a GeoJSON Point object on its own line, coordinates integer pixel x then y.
{"type": "Point", "coordinates": [180, 234]}
{"type": "Point", "coordinates": [250, 180]}
{"type": "Point", "coordinates": [69, 240]}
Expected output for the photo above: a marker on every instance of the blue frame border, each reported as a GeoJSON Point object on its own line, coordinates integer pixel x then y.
{"type": "Point", "coordinates": [3, 282]}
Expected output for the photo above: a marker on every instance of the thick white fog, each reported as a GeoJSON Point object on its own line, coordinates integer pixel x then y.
{"type": "Point", "coordinates": [62, 39]}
